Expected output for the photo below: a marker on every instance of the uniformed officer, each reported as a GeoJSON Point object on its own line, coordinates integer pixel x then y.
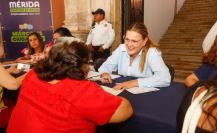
{"type": "Point", "coordinates": [101, 36]}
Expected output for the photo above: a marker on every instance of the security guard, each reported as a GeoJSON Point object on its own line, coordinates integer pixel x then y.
{"type": "Point", "coordinates": [101, 36]}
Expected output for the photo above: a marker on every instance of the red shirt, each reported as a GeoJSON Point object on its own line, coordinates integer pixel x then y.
{"type": "Point", "coordinates": [69, 106]}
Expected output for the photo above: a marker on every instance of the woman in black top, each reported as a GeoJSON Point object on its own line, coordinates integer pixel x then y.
{"type": "Point", "coordinates": [207, 122]}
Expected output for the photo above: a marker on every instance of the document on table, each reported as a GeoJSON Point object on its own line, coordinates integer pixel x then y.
{"type": "Point", "coordinates": [111, 90]}
{"type": "Point", "coordinates": [134, 90]}
{"type": "Point", "coordinates": [96, 76]}
{"type": "Point", "coordinates": [137, 90]}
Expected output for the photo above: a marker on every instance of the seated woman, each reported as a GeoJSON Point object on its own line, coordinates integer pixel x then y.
{"type": "Point", "coordinates": [55, 97]}
{"type": "Point", "coordinates": [35, 49]}
{"type": "Point", "coordinates": [137, 57]}
{"type": "Point", "coordinates": [198, 111]}
{"type": "Point", "coordinates": [11, 83]}
{"type": "Point", "coordinates": [59, 32]}
{"type": "Point", "coordinates": [207, 70]}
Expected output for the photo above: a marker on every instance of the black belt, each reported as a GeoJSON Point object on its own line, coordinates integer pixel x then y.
{"type": "Point", "coordinates": [96, 47]}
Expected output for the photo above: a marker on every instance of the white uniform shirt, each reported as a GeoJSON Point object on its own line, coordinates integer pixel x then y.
{"type": "Point", "coordinates": [101, 34]}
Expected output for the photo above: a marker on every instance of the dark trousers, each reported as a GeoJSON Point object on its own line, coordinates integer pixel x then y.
{"type": "Point", "coordinates": [99, 57]}
{"type": "Point", "coordinates": [96, 54]}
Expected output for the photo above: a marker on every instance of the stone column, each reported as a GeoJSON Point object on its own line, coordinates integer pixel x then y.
{"type": "Point", "coordinates": [116, 22]}
{"type": "Point", "coordinates": [70, 14]}
{"type": "Point", "coordinates": [77, 17]}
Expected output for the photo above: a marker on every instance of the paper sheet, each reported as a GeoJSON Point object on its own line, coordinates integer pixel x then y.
{"type": "Point", "coordinates": [114, 76]}
{"type": "Point", "coordinates": [93, 76]}
{"type": "Point", "coordinates": [137, 90]}
{"type": "Point", "coordinates": [134, 90]}
{"type": "Point", "coordinates": [111, 91]}
{"type": "Point", "coordinates": [96, 76]}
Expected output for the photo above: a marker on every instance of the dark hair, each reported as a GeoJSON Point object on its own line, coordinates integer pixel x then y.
{"type": "Point", "coordinates": [211, 94]}
{"type": "Point", "coordinates": [64, 32]}
{"type": "Point", "coordinates": [211, 56]}
{"type": "Point", "coordinates": [64, 60]}
{"type": "Point", "coordinates": [98, 62]}
{"type": "Point", "coordinates": [142, 30]}
{"type": "Point", "coordinates": [41, 43]}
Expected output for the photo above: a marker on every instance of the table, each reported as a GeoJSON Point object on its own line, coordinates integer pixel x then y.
{"type": "Point", "coordinates": [154, 112]}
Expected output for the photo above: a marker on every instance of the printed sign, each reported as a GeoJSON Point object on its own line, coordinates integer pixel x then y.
{"type": "Point", "coordinates": [19, 18]}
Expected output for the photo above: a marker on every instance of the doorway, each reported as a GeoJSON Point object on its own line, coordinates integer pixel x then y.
{"type": "Point", "coordinates": [132, 11]}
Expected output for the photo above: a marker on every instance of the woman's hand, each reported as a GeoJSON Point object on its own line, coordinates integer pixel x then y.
{"type": "Point", "coordinates": [126, 85]}
{"type": "Point", "coordinates": [13, 69]}
{"type": "Point", "coordinates": [105, 78]}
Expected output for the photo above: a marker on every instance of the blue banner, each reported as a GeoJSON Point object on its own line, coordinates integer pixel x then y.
{"type": "Point", "coordinates": [19, 18]}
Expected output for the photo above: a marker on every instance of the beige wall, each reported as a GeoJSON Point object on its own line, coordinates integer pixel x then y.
{"type": "Point", "coordinates": [179, 4]}
{"type": "Point", "coordinates": [158, 15]}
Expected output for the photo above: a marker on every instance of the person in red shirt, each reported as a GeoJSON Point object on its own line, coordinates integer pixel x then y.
{"type": "Point", "coordinates": [56, 98]}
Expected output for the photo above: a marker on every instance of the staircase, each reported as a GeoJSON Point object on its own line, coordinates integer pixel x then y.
{"type": "Point", "coordinates": [182, 43]}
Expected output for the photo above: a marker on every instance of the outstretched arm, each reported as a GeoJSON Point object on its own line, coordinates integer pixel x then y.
{"type": "Point", "coordinates": [9, 81]}
{"type": "Point", "coordinates": [191, 80]}
{"type": "Point", "coordinates": [123, 112]}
